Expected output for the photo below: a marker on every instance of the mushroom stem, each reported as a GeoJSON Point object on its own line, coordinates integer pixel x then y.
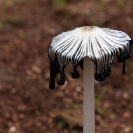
{"type": "Point", "coordinates": [88, 97]}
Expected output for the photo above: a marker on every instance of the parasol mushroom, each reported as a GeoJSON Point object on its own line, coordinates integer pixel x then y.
{"type": "Point", "coordinates": [81, 47]}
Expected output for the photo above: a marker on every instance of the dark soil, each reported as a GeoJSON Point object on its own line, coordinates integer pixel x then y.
{"type": "Point", "coordinates": [26, 103]}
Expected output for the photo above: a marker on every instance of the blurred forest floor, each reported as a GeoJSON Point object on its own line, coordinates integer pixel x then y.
{"type": "Point", "coordinates": [26, 103]}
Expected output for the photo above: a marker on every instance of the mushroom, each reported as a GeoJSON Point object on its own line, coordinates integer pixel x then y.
{"type": "Point", "coordinates": [88, 44]}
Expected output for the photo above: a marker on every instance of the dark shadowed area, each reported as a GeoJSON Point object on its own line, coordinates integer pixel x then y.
{"type": "Point", "coordinates": [26, 103]}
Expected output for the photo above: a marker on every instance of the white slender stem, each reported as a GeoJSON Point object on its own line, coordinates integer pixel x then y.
{"type": "Point", "coordinates": [88, 97]}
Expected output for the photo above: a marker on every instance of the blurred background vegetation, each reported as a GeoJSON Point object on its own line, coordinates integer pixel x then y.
{"type": "Point", "coordinates": [26, 103]}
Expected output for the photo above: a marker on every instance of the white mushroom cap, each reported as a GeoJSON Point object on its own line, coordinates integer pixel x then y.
{"type": "Point", "coordinates": [99, 44]}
